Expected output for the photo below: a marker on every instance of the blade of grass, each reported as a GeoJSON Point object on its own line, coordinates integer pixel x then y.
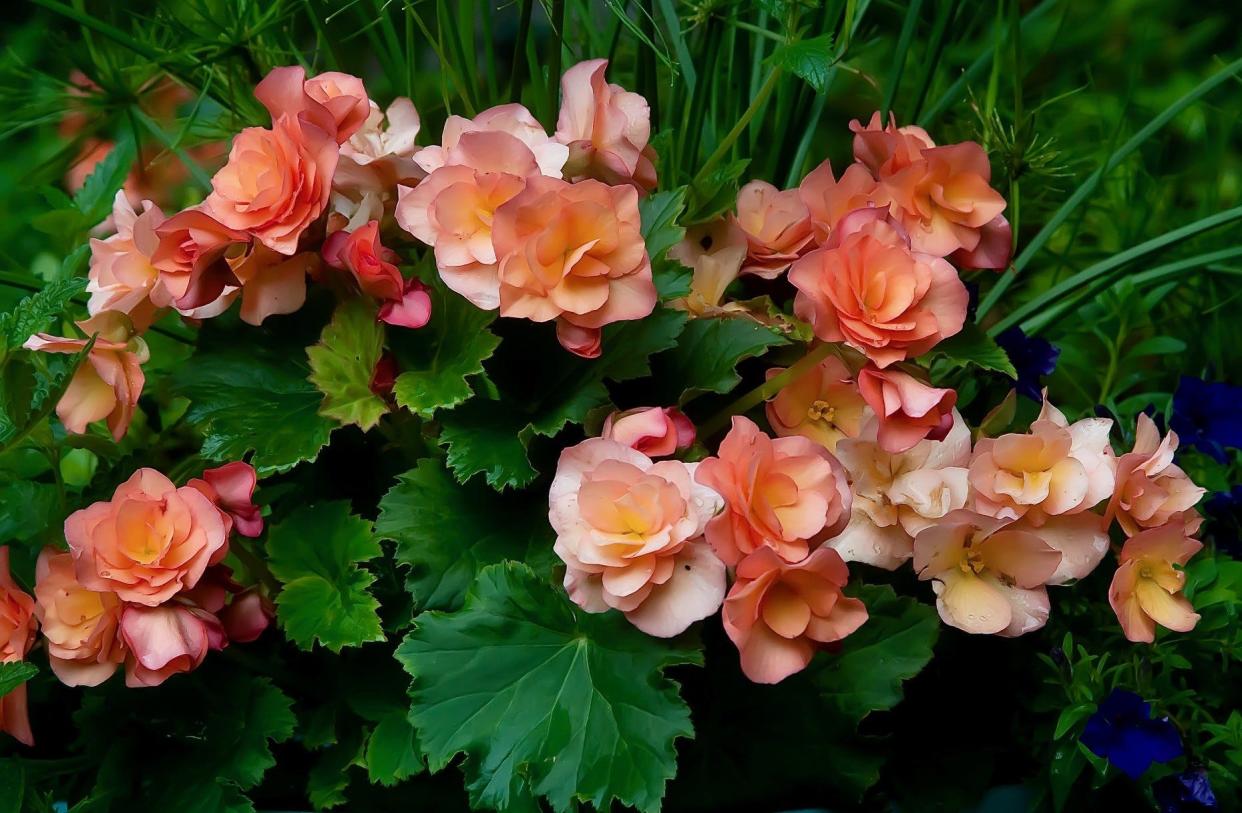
{"type": "Point", "coordinates": [730, 139]}
{"type": "Point", "coordinates": [673, 24]}
{"type": "Point", "coordinates": [899, 57]}
{"type": "Point", "coordinates": [944, 13]}
{"type": "Point", "coordinates": [520, 68]}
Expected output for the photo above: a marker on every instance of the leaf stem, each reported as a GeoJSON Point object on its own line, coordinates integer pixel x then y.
{"type": "Point", "coordinates": [766, 390]}
{"type": "Point", "coordinates": [731, 138]}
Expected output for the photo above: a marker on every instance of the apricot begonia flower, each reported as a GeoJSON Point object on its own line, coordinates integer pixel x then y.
{"type": "Point", "coordinates": [149, 542]}
{"type": "Point", "coordinates": [122, 275]}
{"type": "Point", "coordinates": [231, 488]}
{"type": "Point", "coordinates": [629, 531]}
{"type": "Point", "coordinates": [374, 162]}
{"type": "Point", "coordinates": [779, 614]}
{"type": "Point", "coordinates": [823, 404]}
{"type": "Point", "coordinates": [1151, 490]}
{"type": "Point", "coordinates": [514, 132]}
{"type": "Point", "coordinates": [1081, 538]}
{"type": "Point", "coordinates": [17, 632]}
{"type": "Point", "coordinates": [989, 579]}
{"type": "Point", "coordinates": [107, 384]}
{"type": "Point", "coordinates": [167, 640]}
{"type": "Point", "coordinates": [335, 102]}
{"type": "Point", "coordinates": [788, 494]}
{"type": "Point", "coordinates": [1147, 589]}
{"type": "Point", "coordinates": [1056, 468]}
{"type": "Point", "coordinates": [866, 287]}
{"type": "Point", "coordinates": [653, 431]}
{"type": "Point", "coordinates": [247, 615]}
{"type": "Point", "coordinates": [777, 226]}
{"type": "Point", "coordinates": [406, 302]}
{"type": "Point", "coordinates": [606, 128]}
{"type": "Point", "coordinates": [907, 409]}
{"type": "Point", "coordinates": [276, 182]}
{"type": "Point", "coordinates": [885, 149]}
{"type": "Point", "coordinates": [574, 253]}
{"type": "Point", "coordinates": [896, 495]}
{"type": "Point", "coordinates": [197, 257]}
{"type": "Point", "coordinates": [80, 625]}
{"type": "Point", "coordinates": [715, 252]}
{"type": "Point", "coordinates": [828, 200]}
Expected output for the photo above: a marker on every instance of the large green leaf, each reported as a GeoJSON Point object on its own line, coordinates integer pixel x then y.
{"type": "Point", "coordinates": [343, 363]}
{"type": "Point", "coordinates": [446, 532]}
{"type": "Point", "coordinates": [660, 212]}
{"type": "Point", "coordinates": [974, 346]}
{"type": "Point", "coordinates": [482, 437]}
{"type": "Point", "coordinates": [707, 354]}
{"type": "Point", "coordinates": [36, 312]}
{"type": "Point", "coordinates": [544, 698]}
{"type": "Point", "coordinates": [810, 59]}
{"type": "Point", "coordinates": [392, 752]}
{"type": "Point", "coordinates": [315, 553]}
{"type": "Point", "coordinates": [249, 390]}
{"type": "Point", "coordinates": [436, 361]}
{"type": "Point", "coordinates": [14, 674]}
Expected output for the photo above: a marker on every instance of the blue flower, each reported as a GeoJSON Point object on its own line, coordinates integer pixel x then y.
{"type": "Point", "coordinates": [1186, 792]}
{"type": "Point", "coordinates": [1032, 357]}
{"type": "Point", "coordinates": [1206, 415]}
{"type": "Point", "coordinates": [1224, 528]}
{"type": "Point", "coordinates": [1122, 731]}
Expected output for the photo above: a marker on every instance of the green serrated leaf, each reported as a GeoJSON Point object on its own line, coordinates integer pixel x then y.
{"type": "Point", "coordinates": [446, 532]}
{"type": "Point", "coordinates": [810, 59]}
{"type": "Point", "coordinates": [329, 776]}
{"type": "Point", "coordinates": [393, 753]}
{"type": "Point", "coordinates": [343, 362]}
{"type": "Point", "coordinates": [659, 213]}
{"type": "Point", "coordinates": [891, 647]}
{"type": "Point", "coordinates": [975, 347]}
{"type": "Point", "coordinates": [315, 553]}
{"type": "Point", "coordinates": [545, 699]}
{"type": "Point", "coordinates": [94, 199]}
{"type": "Point", "coordinates": [707, 354]}
{"type": "Point", "coordinates": [436, 361]}
{"type": "Point", "coordinates": [14, 674]}
{"type": "Point", "coordinates": [36, 312]}
{"type": "Point", "coordinates": [483, 437]}
{"type": "Point", "coordinates": [715, 193]}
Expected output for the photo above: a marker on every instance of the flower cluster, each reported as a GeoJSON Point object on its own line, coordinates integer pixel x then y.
{"type": "Point", "coordinates": [143, 585]}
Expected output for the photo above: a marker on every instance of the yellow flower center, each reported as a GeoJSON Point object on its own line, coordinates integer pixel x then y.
{"type": "Point", "coordinates": [821, 411]}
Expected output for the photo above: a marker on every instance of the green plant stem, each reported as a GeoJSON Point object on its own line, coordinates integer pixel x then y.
{"type": "Point", "coordinates": [713, 425]}
{"type": "Point", "coordinates": [899, 58]}
{"type": "Point", "coordinates": [519, 70]}
{"type": "Point", "coordinates": [240, 546]}
{"type": "Point", "coordinates": [731, 138]}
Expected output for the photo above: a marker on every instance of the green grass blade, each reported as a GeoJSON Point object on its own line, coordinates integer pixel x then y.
{"type": "Point", "coordinates": [899, 58]}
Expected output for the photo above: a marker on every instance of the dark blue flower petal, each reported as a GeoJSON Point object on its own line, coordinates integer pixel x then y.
{"type": "Point", "coordinates": [1122, 731]}
{"type": "Point", "coordinates": [1186, 792]}
{"type": "Point", "coordinates": [1206, 416]}
{"type": "Point", "coordinates": [1032, 357]}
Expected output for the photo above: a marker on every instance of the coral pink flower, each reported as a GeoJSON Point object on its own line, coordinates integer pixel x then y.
{"type": "Point", "coordinates": [653, 431]}
{"type": "Point", "coordinates": [406, 302]}
{"type": "Point", "coordinates": [167, 640]}
{"type": "Point", "coordinates": [515, 133]}
{"type": "Point", "coordinates": [606, 127]}
{"type": "Point", "coordinates": [1082, 540]}
{"type": "Point", "coordinates": [574, 253]}
{"type": "Point", "coordinates": [81, 626]}
{"type": "Point", "coordinates": [908, 410]}
{"type": "Point", "coordinates": [276, 182]}
{"type": "Point", "coordinates": [777, 225]}
{"type": "Point", "coordinates": [149, 542]}
{"type": "Point", "coordinates": [828, 200]}
{"type": "Point", "coordinates": [629, 531]}
{"type": "Point", "coordinates": [1147, 588]}
{"type": "Point", "coordinates": [1056, 468]}
{"type": "Point", "coordinates": [898, 495]}
{"type": "Point", "coordinates": [197, 257]}
{"type": "Point", "coordinates": [122, 276]}
{"type": "Point", "coordinates": [247, 615]}
{"type": "Point", "coordinates": [888, 149]}
{"type": "Point", "coordinates": [231, 488]}
{"type": "Point", "coordinates": [788, 494]}
{"type": "Point", "coordinates": [334, 102]}
{"type": "Point", "coordinates": [822, 404]}
{"type": "Point", "coordinates": [869, 289]}
{"type": "Point", "coordinates": [1151, 489]}
{"type": "Point", "coordinates": [273, 284]}
{"type": "Point", "coordinates": [17, 631]}
{"type": "Point", "coordinates": [715, 251]}
{"type": "Point", "coordinates": [989, 579]}
{"type": "Point", "coordinates": [107, 384]}
{"type": "Point", "coordinates": [779, 614]}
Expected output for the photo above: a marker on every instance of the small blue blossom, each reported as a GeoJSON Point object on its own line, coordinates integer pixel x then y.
{"type": "Point", "coordinates": [1123, 732]}
{"type": "Point", "coordinates": [1208, 416]}
{"type": "Point", "coordinates": [1032, 357]}
{"type": "Point", "coordinates": [1186, 792]}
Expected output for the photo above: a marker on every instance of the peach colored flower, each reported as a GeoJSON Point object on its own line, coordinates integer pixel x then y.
{"type": "Point", "coordinates": [629, 531]}
{"type": "Point", "coordinates": [17, 631]}
{"type": "Point", "coordinates": [1151, 490]}
{"type": "Point", "coordinates": [243, 612]}
{"type": "Point", "coordinates": [167, 640]}
{"type": "Point", "coordinates": [866, 287]}
{"type": "Point", "coordinates": [1147, 588]}
{"type": "Point", "coordinates": [715, 252]}
{"type": "Point", "coordinates": [247, 615]}
{"type": "Point", "coordinates": [822, 404]}
{"type": "Point", "coordinates": [197, 258]}
{"type": "Point", "coordinates": [989, 579]}
{"type": "Point", "coordinates": [907, 409]}
{"type": "Point", "coordinates": [374, 161]}
{"type": "Point", "coordinates": [334, 102]}
{"type": "Point", "coordinates": [606, 128]}
{"type": "Point", "coordinates": [149, 542]}
{"type": "Point", "coordinates": [653, 431]}
{"type": "Point", "coordinates": [574, 253]}
{"type": "Point", "coordinates": [788, 494]}
{"type": "Point", "coordinates": [273, 284]}
{"type": "Point", "coordinates": [888, 149]}
{"type": "Point", "coordinates": [405, 302]}
{"type": "Point", "coordinates": [1056, 468]}
{"type": "Point", "coordinates": [276, 183]}
{"type": "Point", "coordinates": [515, 132]}
{"type": "Point", "coordinates": [828, 200]}
{"type": "Point", "coordinates": [1082, 540]}
{"type": "Point", "coordinates": [777, 225]}
{"type": "Point", "coordinates": [896, 495]}
{"type": "Point", "coordinates": [81, 626]}
{"type": "Point", "coordinates": [107, 384]}
{"type": "Point", "coordinates": [122, 276]}
{"type": "Point", "coordinates": [779, 614]}
{"type": "Point", "coordinates": [231, 488]}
